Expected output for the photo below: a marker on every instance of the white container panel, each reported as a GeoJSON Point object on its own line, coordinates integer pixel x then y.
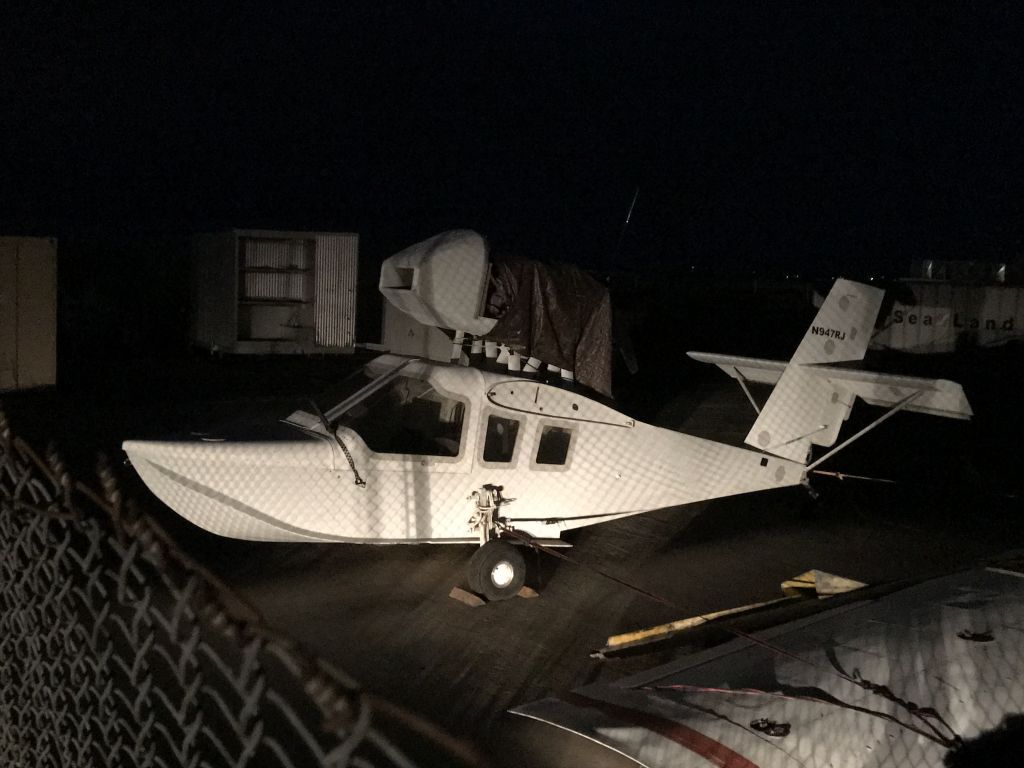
{"type": "Point", "coordinates": [946, 317]}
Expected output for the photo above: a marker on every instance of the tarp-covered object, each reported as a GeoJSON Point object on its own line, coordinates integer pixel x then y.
{"type": "Point", "coordinates": [557, 313]}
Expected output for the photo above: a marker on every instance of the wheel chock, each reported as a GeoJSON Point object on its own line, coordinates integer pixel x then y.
{"type": "Point", "coordinates": [527, 592]}
{"type": "Point", "coordinates": [471, 599]}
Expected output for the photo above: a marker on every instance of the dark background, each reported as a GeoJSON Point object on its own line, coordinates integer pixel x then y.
{"type": "Point", "coordinates": [768, 138]}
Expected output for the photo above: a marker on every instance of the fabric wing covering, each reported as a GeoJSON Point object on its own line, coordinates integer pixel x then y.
{"type": "Point", "coordinates": [557, 313]}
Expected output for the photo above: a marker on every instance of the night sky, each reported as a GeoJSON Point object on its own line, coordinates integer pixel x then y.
{"type": "Point", "coordinates": [768, 136]}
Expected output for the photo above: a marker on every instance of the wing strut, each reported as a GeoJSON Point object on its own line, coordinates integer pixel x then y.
{"type": "Point", "coordinates": [891, 412]}
{"type": "Point", "coordinates": [742, 380]}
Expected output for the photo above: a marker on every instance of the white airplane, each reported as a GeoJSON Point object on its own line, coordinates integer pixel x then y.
{"type": "Point", "coordinates": [425, 452]}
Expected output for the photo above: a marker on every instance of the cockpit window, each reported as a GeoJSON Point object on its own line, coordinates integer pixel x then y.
{"type": "Point", "coordinates": [407, 415]}
{"type": "Point", "coordinates": [500, 439]}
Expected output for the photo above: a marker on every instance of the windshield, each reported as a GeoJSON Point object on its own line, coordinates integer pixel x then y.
{"type": "Point", "coordinates": [329, 400]}
{"type": "Point", "coordinates": [340, 397]}
{"type": "Point", "coordinates": [407, 415]}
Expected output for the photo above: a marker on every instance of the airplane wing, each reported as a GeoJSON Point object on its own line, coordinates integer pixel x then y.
{"type": "Point", "coordinates": [707, 707]}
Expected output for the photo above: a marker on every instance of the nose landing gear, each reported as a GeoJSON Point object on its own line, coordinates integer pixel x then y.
{"type": "Point", "coordinates": [497, 570]}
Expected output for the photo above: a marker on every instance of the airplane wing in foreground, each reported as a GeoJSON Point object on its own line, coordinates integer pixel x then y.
{"type": "Point", "coordinates": [776, 699]}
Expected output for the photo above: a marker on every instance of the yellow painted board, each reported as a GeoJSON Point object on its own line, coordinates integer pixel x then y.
{"type": "Point", "coordinates": [821, 583]}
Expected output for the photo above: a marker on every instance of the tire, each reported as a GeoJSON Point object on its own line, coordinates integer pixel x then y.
{"type": "Point", "coordinates": [497, 570]}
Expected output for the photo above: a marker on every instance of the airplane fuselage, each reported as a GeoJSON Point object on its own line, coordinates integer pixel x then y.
{"type": "Point", "coordinates": [564, 460]}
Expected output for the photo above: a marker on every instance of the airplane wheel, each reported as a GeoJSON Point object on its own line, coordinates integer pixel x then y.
{"type": "Point", "coordinates": [497, 570]}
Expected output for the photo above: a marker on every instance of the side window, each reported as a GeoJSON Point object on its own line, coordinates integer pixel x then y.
{"type": "Point", "coordinates": [500, 439]}
{"type": "Point", "coordinates": [553, 447]}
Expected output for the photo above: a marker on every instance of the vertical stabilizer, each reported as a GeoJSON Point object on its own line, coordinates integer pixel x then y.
{"type": "Point", "coordinates": [842, 328]}
{"type": "Point", "coordinates": [805, 408]}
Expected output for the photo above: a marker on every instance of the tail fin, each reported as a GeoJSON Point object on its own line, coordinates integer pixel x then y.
{"type": "Point", "coordinates": [805, 407]}
{"type": "Point", "coordinates": [812, 398]}
{"type": "Point", "coordinates": [842, 328]}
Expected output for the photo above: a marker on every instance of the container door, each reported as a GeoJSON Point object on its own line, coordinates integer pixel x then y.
{"type": "Point", "coordinates": [337, 262]}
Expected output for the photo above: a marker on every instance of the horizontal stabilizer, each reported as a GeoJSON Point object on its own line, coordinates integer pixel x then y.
{"type": "Point", "coordinates": [937, 397]}
{"type": "Point", "coordinates": [813, 401]}
{"type": "Point", "coordinates": [744, 368]}
{"type": "Point", "coordinates": [812, 395]}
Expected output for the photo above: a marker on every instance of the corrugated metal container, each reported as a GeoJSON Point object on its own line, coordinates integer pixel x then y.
{"type": "Point", "coordinates": [946, 316]}
{"type": "Point", "coordinates": [28, 312]}
{"type": "Point", "coordinates": [337, 263]}
{"type": "Point", "coordinates": [261, 291]}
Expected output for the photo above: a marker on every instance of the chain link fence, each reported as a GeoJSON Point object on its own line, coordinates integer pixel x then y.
{"type": "Point", "coordinates": [118, 649]}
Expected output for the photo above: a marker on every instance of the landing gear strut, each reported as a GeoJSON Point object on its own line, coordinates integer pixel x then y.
{"type": "Point", "coordinates": [497, 570]}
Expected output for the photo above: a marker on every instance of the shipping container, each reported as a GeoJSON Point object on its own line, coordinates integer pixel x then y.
{"type": "Point", "coordinates": [270, 292]}
{"type": "Point", "coordinates": [28, 312]}
{"type": "Point", "coordinates": [945, 317]}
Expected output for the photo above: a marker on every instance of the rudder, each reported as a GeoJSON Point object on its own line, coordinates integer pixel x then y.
{"type": "Point", "coordinates": [842, 329]}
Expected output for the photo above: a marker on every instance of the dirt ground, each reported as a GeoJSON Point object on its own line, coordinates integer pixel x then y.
{"type": "Point", "coordinates": [383, 613]}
